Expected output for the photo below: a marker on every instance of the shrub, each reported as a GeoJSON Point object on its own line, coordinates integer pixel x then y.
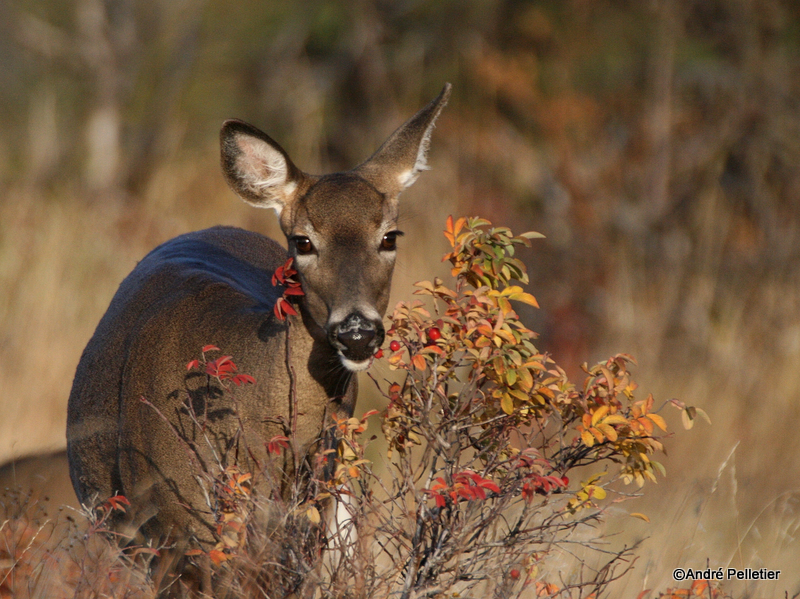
{"type": "Point", "coordinates": [483, 434]}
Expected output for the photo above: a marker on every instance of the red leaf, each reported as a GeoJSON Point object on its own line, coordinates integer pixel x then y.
{"type": "Point", "coordinates": [440, 484]}
{"type": "Point", "coordinates": [440, 500]}
{"type": "Point", "coordinates": [527, 491]}
{"type": "Point", "coordinates": [277, 277]}
{"type": "Point", "coordinates": [118, 502]}
{"type": "Point", "coordinates": [293, 290]}
{"type": "Point", "coordinates": [277, 309]}
{"type": "Point", "coordinates": [288, 309]}
{"type": "Point", "coordinates": [218, 556]}
{"type": "Point", "coordinates": [240, 379]}
{"type": "Point", "coordinates": [210, 348]}
{"type": "Point", "coordinates": [277, 443]}
{"type": "Point", "coordinates": [193, 364]}
{"type": "Point", "coordinates": [487, 484]}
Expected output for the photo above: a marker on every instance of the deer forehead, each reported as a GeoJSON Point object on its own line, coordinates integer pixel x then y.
{"type": "Point", "coordinates": [343, 206]}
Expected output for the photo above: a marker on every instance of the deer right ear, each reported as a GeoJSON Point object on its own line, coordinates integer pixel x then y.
{"type": "Point", "coordinates": [256, 167]}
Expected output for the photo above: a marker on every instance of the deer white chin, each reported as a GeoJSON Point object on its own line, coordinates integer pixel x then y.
{"type": "Point", "coordinates": [353, 365]}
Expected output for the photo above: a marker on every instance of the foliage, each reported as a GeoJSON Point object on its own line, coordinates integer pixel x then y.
{"type": "Point", "coordinates": [482, 432]}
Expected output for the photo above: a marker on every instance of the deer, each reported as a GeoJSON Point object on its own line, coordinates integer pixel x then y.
{"type": "Point", "coordinates": [129, 420]}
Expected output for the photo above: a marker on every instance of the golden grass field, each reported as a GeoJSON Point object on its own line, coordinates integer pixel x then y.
{"type": "Point", "coordinates": [729, 498]}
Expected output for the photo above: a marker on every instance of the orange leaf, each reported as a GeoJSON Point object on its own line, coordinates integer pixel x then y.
{"type": "Point", "coordinates": [659, 421]}
{"type": "Point", "coordinates": [449, 232]}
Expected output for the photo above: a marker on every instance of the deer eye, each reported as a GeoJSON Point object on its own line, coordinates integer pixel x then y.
{"type": "Point", "coordinates": [389, 241]}
{"type": "Point", "coordinates": [303, 244]}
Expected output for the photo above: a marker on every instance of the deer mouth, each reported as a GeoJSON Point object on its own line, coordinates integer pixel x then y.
{"type": "Point", "coordinates": [356, 339]}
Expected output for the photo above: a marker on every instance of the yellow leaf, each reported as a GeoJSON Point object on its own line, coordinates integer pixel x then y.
{"type": "Point", "coordinates": [525, 298]}
{"type": "Point", "coordinates": [313, 514]}
{"type": "Point", "coordinates": [520, 395]}
{"type": "Point", "coordinates": [525, 378]}
{"type": "Point", "coordinates": [640, 516]}
{"type": "Point", "coordinates": [507, 404]}
{"type": "Point", "coordinates": [702, 413]}
{"type": "Point", "coordinates": [597, 416]}
{"type": "Point", "coordinates": [608, 431]}
{"type": "Point", "coordinates": [587, 438]}
{"type": "Point", "coordinates": [598, 492]}
{"type": "Point", "coordinates": [505, 335]}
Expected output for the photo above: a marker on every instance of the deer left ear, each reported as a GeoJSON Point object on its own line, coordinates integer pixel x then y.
{"type": "Point", "coordinates": [257, 168]}
{"type": "Point", "coordinates": [402, 157]}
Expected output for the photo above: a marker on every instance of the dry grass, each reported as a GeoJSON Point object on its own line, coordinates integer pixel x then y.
{"type": "Point", "coordinates": [62, 258]}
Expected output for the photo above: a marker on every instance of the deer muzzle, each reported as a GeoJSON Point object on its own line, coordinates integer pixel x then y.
{"type": "Point", "coordinates": [356, 338]}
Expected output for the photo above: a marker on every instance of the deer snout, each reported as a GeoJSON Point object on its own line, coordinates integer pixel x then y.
{"type": "Point", "coordinates": [357, 339]}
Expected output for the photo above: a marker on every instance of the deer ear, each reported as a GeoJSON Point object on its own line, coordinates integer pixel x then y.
{"type": "Point", "coordinates": [402, 157]}
{"type": "Point", "coordinates": [256, 167]}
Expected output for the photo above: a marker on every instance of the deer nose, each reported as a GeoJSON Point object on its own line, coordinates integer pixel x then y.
{"type": "Point", "coordinates": [357, 337]}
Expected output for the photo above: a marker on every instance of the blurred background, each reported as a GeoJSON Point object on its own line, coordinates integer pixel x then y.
{"type": "Point", "coordinates": [655, 143]}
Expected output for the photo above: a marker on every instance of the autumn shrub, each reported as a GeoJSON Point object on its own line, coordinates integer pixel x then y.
{"type": "Point", "coordinates": [498, 466]}
{"type": "Point", "coordinates": [495, 472]}
{"type": "Point", "coordinates": [67, 555]}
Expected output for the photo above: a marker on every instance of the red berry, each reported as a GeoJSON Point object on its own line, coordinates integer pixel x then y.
{"type": "Point", "coordinates": [379, 354]}
{"type": "Point", "coordinates": [514, 574]}
{"type": "Point", "coordinates": [565, 480]}
{"type": "Point", "coordinates": [434, 334]}
{"type": "Point", "coordinates": [394, 345]}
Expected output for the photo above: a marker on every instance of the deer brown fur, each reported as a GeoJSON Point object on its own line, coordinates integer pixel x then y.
{"type": "Point", "coordinates": [214, 287]}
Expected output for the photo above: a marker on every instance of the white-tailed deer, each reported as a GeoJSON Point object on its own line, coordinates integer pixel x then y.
{"type": "Point", "coordinates": [214, 287]}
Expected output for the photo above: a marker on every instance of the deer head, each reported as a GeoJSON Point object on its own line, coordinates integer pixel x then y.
{"type": "Point", "coordinates": [341, 228]}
